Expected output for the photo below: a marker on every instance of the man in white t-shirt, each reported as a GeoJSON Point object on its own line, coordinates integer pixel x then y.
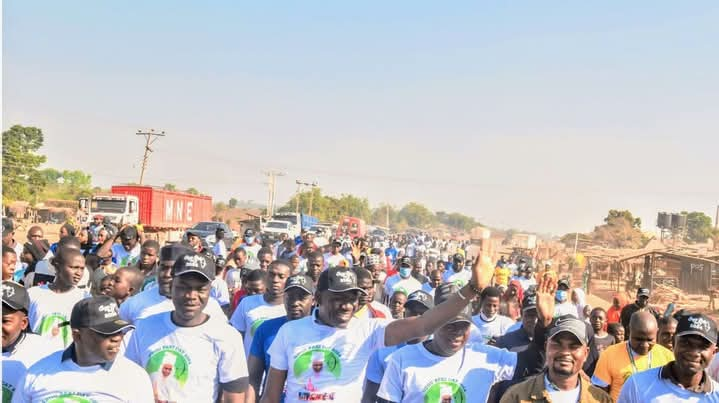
{"type": "Point", "coordinates": [204, 357]}
{"type": "Point", "coordinates": [90, 369]}
{"type": "Point", "coordinates": [458, 274]}
{"type": "Point", "coordinates": [51, 304]}
{"type": "Point", "coordinates": [402, 281]}
{"type": "Point", "coordinates": [685, 379]}
{"type": "Point", "coordinates": [367, 306]}
{"type": "Point", "coordinates": [159, 299]}
{"type": "Point", "coordinates": [127, 252]}
{"type": "Point", "coordinates": [446, 368]}
{"type": "Point", "coordinates": [329, 359]}
{"type": "Point", "coordinates": [335, 258]}
{"type": "Point", "coordinates": [490, 323]}
{"type": "Point", "coordinates": [219, 248]}
{"type": "Point", "coordinates": [20, 348]}
{"type": "Point", "coordinates": [255, 309]}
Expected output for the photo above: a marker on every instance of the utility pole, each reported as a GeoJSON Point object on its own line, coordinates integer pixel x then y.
{"type": "Point", "coordinates": [716, 219]}
{"type": "Point", "coordinates": [150, 137]}
{"type": "Point", "coordinates": [386, 218]}
{"type": "Point", "coordinates": [271, 189]}
{"type": "Point", "coordinates": [299, 189]}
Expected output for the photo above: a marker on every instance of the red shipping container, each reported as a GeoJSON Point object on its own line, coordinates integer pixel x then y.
{"type": "Point", "coordinates": [164, 209]}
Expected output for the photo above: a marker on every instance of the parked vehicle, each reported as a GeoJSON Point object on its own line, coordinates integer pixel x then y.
{"type": "Point", "coordinates": [206, 231]}
{"type": "Point", "coordinates": [158, 210]}
{"type": "Point", "coordinates": [298, 222]}
{"type": "Point", "coordinates": [352, 227]}
{"type": "Point", "coordinates": [273, 229]}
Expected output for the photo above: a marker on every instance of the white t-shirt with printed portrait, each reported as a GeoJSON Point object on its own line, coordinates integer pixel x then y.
{"type": "Point", "coordinates": [251, 313]}
{"type": "Point", "coordinates": [187, 364]}
{"type": "Point", "coordinates": [497, 326]}
{"type": "Point", "coordinates": [53, 379]}
{"type": "Point", "coordinates": [323, 362]}
{"type": "Point", "coordinates": [31, 349]}
{"type": "Point", "coordinates": [414, 374]}
{"type": "Point", "coordinates": [49, 309]}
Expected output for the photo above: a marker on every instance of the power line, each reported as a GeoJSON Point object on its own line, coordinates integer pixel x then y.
{"type": "Point", "coordinates": [150, 137]}
{"type": "Point", "coordinates": [271, 189]}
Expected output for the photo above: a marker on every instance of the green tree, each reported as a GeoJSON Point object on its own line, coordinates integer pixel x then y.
{"type": "Point", "coordinates": [233, 202]}
{"type": "Point", "coordinates": [20, 161]}
{"type": "Point", "coordinates": [193, 191]}
{"type": "Point", "coordinates": [380, 214]}
{"type": "Point", "coordinates": [417, 215]}
{"type": "Point", "coordinates": [170, 187]}
{"type": "Point", "coordinates": [699, 226]}
{"type": "Point", "coordinates": [613, 215]}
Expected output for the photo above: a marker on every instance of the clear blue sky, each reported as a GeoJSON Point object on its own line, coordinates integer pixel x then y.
{"type": "Point", "coordinates": [533, 115]}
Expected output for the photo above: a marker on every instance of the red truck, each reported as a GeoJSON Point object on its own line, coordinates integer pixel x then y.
{"type": "Point", "coordinates": [155, 208]}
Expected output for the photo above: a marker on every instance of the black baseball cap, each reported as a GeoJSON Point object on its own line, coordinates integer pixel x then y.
{"type": "Point", "coordinates": [194, 263]}
{"type": "Point", "coordinates": [338, 279]}
{"type": "Point", "coordinates": [249, 232]}
{"type": "Point", "coordinates": [99, 314]}
{"type": "Point", "coordinates": [571, 325]}
{"type": "Point", "coordinates": [643, 292]}
{"type": "Point", "coordinates": [443, 292]}
{"type": "Point", "coordinates": [563, 282]}
{"type": "Point", "coordinates": [172, 252]}
{"type": "Point", "coordinates": [7, 226]}
{"type": "Point", "coordinates": [405, 261]}
{"type": "Point", "coordinates": [337, 241]}
{"type": "Point", "coordinates": [301, 281]}
{"type": "Point", "coordinates": [529, 302]}
{"type": "Point", "coordinates": [128, 232]}
{"type": "Point", "coordinates": [421, 298]}
{"type": "Point", "coordinates": [15, 296]}
{"type": "Point", "coordinates": [458, 257]}
{"type": "Point", "coordinates": [692, 324]}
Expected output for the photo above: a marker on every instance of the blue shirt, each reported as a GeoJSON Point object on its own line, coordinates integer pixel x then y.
{"type": "Point", "coordinates": [392, 253]}
{"type": "Point", "coordinates": [264, 336]}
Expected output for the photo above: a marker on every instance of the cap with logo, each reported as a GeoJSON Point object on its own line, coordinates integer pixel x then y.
{"type": "Point", "coordinates": [7, 226]}
{"type": "Point", "coordinates": [697, 324]}
{"type": "Point", "coordinates": [15, 296]}
{"type": "Point", "coordinates": [458, 257]}
{"type": "Point", "coordinates": [570, 325]}
{"type": "Point", "coordinates": [98, 313]}
{"type": "Point", "coordinates": [405, 261]}
{"type": "Point", "coordinates": [563, 282]}
{"type": "Point", "coordinates": [529, 302]}
{"type": "Point", "coordinates": [338, 279]}
{"type": "Point", "coordinates": [443, 292]}
{"type": "Point", "coordinates": [643, 292]}
{"type": "Point", "coordinates": [421, 298]}
{"type": "Point", "coordinates": [194, 263]}
{"type": "Point", "coordinates": [249, 232]}
{"type": "Point", "coordinates": [300, 281]}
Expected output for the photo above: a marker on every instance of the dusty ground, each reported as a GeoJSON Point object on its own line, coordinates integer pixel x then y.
{"type": "Point", "coordinates": [52, 231]}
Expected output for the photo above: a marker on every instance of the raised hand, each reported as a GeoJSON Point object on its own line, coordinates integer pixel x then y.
{"type": "Point", "coordinates": [546, 287]}
{"type": "Point", "coordinates": [481, 276]}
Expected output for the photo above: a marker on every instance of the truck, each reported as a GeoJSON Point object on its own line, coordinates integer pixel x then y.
{"type": "Point", "coordinates": [298, 222]}
{"type": "Point", "coordinates": [158, 210]}
{"type": "Point", "coordinates": [351, 226]}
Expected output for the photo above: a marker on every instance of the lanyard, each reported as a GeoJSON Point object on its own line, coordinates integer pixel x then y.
{"type": "Point", "coordinates": [631, 359]}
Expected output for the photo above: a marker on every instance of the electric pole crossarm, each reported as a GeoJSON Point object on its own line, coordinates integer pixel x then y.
{"type": "Point", "coordinates": [150, 137]}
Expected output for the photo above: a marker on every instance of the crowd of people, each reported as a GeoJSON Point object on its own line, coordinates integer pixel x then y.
{"type": "Point", "coordinates": [105, 315]}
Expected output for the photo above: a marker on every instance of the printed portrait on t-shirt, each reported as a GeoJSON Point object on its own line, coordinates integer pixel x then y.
{"type": "Point", "coordinates": [317, 365]}
{"type": "Point", "coordinates": [445, 391]}
{"type": "Point", "coordinates": [169, 370]}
